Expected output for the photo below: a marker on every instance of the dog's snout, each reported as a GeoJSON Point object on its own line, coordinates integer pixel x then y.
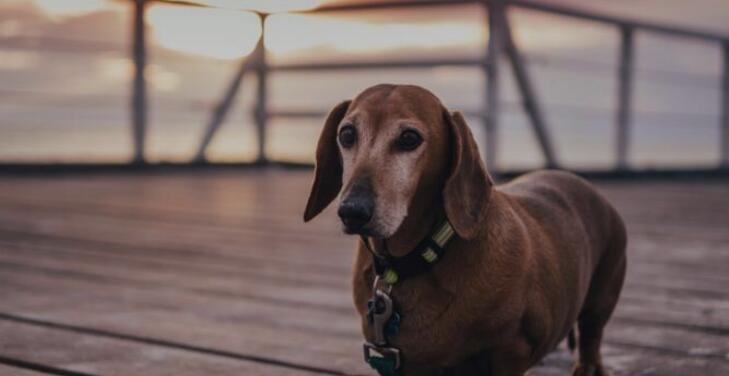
{"type": "Point", "coordinates": [356, 209]}
{"type": "Point", "coordinates": [355, 214]}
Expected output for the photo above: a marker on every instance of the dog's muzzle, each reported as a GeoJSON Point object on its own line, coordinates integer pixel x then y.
{"type": "Point", "coordinates": [356, 209]}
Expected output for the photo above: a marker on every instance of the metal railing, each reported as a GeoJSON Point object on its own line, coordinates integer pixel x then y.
{"type": "Point", "coordinates": [501, 46]}
{"type": "Point", "coordinates": [500, 41]}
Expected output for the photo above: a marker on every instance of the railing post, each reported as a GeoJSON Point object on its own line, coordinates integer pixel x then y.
{"type": "Point", "coordinates": [725, 108]}
{"type": "Point", "coordinates": [221, 110]}
{"type": "Point", "coordinates": [625, 94]}
{"type": "Point", "coordinates": [261, 109]}
{"type": "Point", "coordinates": [491, 68]}
{"type": "Point", "coordinates": [139, 89]}
{"type": "Point", "coordinates": [528, 95]}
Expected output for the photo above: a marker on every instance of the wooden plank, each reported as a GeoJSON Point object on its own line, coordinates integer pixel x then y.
{"type": "Point", "coordinates": [115, 224]}
{"type": "Point", "coordinates": [646, 270]}
{"type": "Point", "coordinates": [81, 353]}
{"type": "Point", "coordinates": [297, 335]}
{"type": "Point", "coordinates": [88, 233]}
{"type": "Point", "coordinates": [15, 367]}
{"type": "Point", "coordinates": [631, 360]}
{"type": "Point", "coordinates": [234, 189]}
{"type": "Point", "coordinates": [244, 244]}
{"type": "Point", "coordinates": [709, 224]}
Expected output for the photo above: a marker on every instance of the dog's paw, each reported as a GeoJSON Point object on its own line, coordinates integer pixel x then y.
{"type": "Point", "coordinates": [589, 370]}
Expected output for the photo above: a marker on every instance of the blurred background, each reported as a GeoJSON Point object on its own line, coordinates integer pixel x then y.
{"type": "Point", "coordinates": [67, 73]}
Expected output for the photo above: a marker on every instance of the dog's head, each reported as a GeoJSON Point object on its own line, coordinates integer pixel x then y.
{"type": "Point", "coordinates": [393, 152]}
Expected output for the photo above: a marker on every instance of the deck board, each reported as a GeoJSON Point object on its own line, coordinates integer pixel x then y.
{"type": "Point", "coordinates": [17, 371]}
{"type": "Point", "coordinates": [209, 263]}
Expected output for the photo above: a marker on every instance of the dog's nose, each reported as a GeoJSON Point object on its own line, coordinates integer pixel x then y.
{"type": "Point", "coordinates": [355, 212]}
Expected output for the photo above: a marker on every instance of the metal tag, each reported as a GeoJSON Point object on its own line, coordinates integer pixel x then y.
{"type": "Point", "coordinates": [379, 314]}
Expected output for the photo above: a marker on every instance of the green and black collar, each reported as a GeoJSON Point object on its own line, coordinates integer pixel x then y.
{"type": "Point", "coordinates": [418, 261]}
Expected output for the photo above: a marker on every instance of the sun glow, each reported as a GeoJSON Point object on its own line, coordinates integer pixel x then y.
{"type": "Point", "coordinates": [289, 33]}
{"type": "Point", "coordinates": [230, 34]}
{"type": "Point", "coordinates": [65, 8]}
{"type": "Point", "coordinates": [216, 33]}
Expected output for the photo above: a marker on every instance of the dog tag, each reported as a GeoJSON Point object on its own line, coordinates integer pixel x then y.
{"type": "Point", "coordinates": [381, 310]}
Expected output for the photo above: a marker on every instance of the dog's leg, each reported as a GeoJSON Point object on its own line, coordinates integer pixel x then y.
{"type": "Point", "coordinates": [590, 337]}
{"type": "Point", "coordinates": [512, 359]}
{"type": "Point", "coordinates": [602, 297]}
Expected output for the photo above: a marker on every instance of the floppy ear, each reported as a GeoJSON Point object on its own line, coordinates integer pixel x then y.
{"type": "Point", "coordinates": [468, 188]}
{"type": "Point", "coordinates": [328, 172]}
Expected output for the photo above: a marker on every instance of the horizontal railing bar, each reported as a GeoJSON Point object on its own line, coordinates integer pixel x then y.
{"type": "Point", "coordinates": [656, 76]}
{"type": "Point", "coordinates": [297, 114]}
{"type": "Point", "coordinates": [327, 8]}
{"type": "Point", "coordinates": [322, 114]}
{"type": "Point", "coordinates": [700, 80]}
{"type": "Point", "coordinates": [619, 21]}
{"type": "Point", "coordinates": [527, 4]}
{"type": "Point", "coordinates": [186, 3]}
{"type": "Point", "coordinates": [359, 6]}
{"type": "Point", "coordinates": [420, 63]}
{"type": "Point", "coordinates": [514, 106]}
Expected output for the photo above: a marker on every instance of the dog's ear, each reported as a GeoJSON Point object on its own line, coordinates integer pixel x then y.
{"type": "Point", "coordinates": [328, 172]}
{"type": "Point", "coordinates": [468, 187]}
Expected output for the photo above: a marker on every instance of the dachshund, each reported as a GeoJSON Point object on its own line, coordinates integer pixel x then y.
{"type": "Point", "coordinates": [530, 261]}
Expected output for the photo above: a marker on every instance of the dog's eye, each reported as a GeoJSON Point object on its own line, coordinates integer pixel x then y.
{"type": "Point", "coordinates": [408, 140]}
{"type": "Point", "coordinates": [347, 136]}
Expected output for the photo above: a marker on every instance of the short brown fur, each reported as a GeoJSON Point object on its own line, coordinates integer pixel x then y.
{"type": "Point", "coordinates": [533, 258]}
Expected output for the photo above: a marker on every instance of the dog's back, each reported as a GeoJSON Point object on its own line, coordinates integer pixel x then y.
{"type": "Point", "coordinates": [565, 200]}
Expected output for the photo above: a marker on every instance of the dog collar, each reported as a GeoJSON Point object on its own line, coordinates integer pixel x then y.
{"type": "Point", "coordinates": [418, 261]}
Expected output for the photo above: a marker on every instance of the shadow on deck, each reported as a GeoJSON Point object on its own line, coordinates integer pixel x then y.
{"type": "Point", "coordinates": [215, 273]}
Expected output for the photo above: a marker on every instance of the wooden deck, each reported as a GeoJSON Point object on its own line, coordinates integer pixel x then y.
{"type": "Point", "coordinates": [214, 273]}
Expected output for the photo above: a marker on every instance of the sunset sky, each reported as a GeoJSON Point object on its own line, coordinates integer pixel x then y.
{"type": "Point", "coordinates": [64, 65]}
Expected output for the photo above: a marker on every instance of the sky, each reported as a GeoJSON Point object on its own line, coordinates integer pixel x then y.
{"type": "Point", "coordinates": [65, 73]}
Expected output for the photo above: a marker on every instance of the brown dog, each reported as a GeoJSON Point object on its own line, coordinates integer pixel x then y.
{"type": "Point", "coordinates": [531, 258]}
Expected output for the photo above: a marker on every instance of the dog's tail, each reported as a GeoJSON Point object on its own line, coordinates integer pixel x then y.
{"type": "Point", "coordinates": [571, 340]}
